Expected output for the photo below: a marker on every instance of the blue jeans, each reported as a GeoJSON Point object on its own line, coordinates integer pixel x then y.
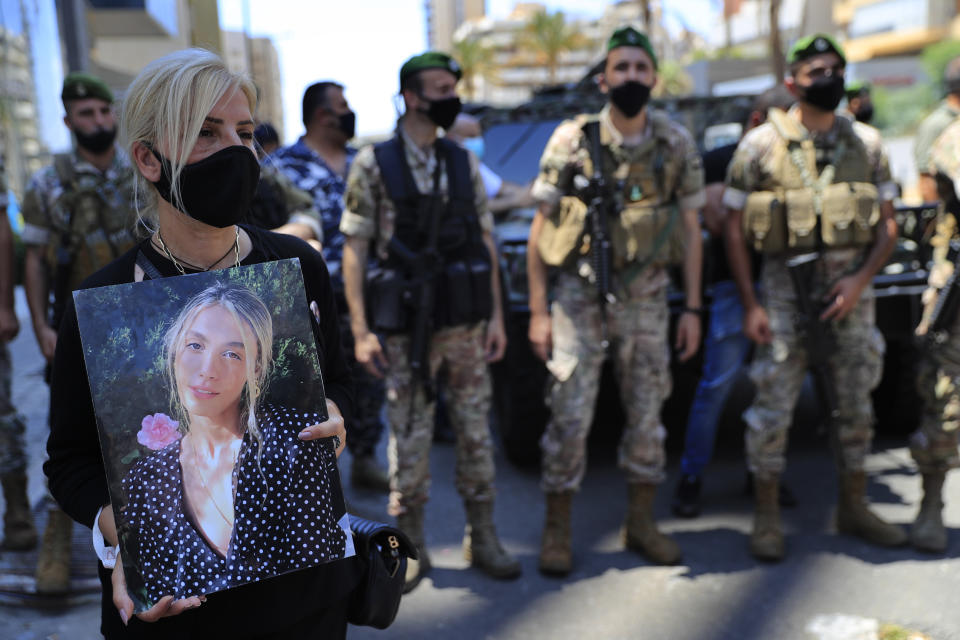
{"type": "Point", "coordinates": [725, 349]}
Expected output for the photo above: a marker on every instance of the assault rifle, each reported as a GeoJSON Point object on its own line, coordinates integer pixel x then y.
{"type": "Point", "coordinates": [820, 342]}
{"type": "Point", "coordinates": [946, 308]}
{"type": "Point", "coordinates": [424, 268]}
{"type": "Point", "coordinates": [595, 193]}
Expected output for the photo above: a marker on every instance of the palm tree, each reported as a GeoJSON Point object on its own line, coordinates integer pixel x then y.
{"type": "Point", "coordinates": [476, 61]}
{"type": "Point", "coordinates": [776, 46]}
{"type": "Point", "coordinates": [547, 35]}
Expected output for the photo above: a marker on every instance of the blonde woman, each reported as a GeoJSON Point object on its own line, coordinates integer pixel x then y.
{"type": "Point", "coordinates": [187, 122]}
{"type": "Point", "coordinates": [213, 509]}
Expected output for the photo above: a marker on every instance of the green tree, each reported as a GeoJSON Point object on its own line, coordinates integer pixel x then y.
{"type": "Point", "coordinates": [547, 36]}
{"type": "Point", "coordinates": [672, 80]}
{"type": "Point", "coordinates": [934, 59]}
{"type": "Point", "coordinates": [476, 61]}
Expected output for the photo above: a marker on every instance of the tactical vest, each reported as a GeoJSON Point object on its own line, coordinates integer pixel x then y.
{"type": "Point", "coordinates": [463, 293]}
{"type": "Point", "coordinates": [784, 216]}
{"type": "Point", "coordinates": [92, 233]}
{"type": "Point", "coordinates": [647, 230]}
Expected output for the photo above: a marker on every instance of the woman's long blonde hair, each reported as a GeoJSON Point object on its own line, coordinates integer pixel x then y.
{"type": "Point", "coordinates": [165, 108]}
{"type": "Point", "coordinates": [248, 311]}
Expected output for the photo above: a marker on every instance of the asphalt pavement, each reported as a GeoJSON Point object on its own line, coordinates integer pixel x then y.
{"type": "Point", "coordinates": [830, 587]}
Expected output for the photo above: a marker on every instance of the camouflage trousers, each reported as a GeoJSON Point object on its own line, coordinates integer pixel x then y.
{"type": "Point", "coordinates": [13, 455]}
{"type": "Point", "coordinates": [459, 352]}
{"type": "Point", "coordinates": [637, 332]}
{"type": "Point", "coordinates": [781, 366]}
{"type": "Point", "coordinates": [364, 430]}
{"type": "Point", "coordinates": [934, 444]}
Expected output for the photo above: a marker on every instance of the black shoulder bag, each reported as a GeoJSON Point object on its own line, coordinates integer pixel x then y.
{"type": "Point", "coordinates": [384, 551]}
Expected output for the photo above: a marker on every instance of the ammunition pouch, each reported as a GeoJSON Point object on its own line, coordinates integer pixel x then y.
{"type": "Point", "coordinates": [386, 300]}
{"type": "Point", "coordinates": [786, 219]}
{"type": "Point", "coordinates": [851, 211]}
{"type": "Point", "coordinates": [463, 294]}
{"type": "Point", "coordinates": [648, 234]}
{"type": "Point", "coordinates": [561, 237]}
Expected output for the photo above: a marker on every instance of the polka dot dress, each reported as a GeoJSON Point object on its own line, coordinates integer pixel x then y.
{"type": "Point", "coordinates": [285, 514]}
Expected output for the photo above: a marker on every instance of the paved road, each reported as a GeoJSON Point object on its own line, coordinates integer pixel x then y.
{"type": "Point", "coordinates": [719, 592]}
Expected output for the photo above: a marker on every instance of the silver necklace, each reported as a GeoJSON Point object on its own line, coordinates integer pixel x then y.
{"type": "Point", "coordinates": [177, 263]}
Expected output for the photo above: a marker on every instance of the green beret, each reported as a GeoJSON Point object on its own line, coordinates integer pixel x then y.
{"type": "Point", "coordinates": [857, 88]}
{"type": "Point", "coordinates": [77, 86]}
{"type": "Point", "coordinates": [630, 37]}
{"type": "Point", "coordinates": [429, 60]}
{"type": "Point", "coordinates": [813, 46]}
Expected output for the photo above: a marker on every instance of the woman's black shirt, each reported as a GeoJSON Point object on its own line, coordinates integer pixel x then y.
{"type": "Point", "coordinates": [78, 482]}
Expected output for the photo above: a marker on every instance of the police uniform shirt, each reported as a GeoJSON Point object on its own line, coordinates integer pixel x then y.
{"type": "Point", "coordinates": [370, 213]}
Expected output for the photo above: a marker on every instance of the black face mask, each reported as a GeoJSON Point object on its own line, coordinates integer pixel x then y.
{"type": "Point", "coordinates": [865, 115]}
{"type": "Point", "coordinates": [824, 93]}
{"type": "Point", "coordinates": [217, 190]}
{"type": "Point", "coordinates": [630, 97]}
{"type": "Point", "coordinates": [97, 142]}
{"type": "Point", "coordinates": [443, 112]}
{"type": "Point", "coordinates": [348, 124]}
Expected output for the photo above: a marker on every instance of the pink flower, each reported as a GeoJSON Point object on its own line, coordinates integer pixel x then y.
{"type": "Point", "coordinates": [157, 431]}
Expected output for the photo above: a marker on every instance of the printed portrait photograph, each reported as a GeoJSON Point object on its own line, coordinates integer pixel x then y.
{"type": "Point", "coordinates": [201, 385]}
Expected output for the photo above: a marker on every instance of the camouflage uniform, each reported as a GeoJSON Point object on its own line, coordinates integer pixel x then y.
{"type": "Point", "coordinates": [13, 455]}
{"type": "Point", "coordinates": [928, 132]}
{"type": "Point", "coordinates": [637, 322]}
{"type": "Point", "coordinates": [369, 213]}
{"type": "Point", "coordinates": [934, 444]}
{"type": "Point", "coordinates": [780, 367]}
{"type": "Point", "coordinates": [104, 217]}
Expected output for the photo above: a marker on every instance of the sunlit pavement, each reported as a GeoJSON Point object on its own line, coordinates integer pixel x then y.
{"type": "Point", "coordinates": [719, 592]}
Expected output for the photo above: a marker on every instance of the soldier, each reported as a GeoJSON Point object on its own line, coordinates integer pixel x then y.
{"type": "Point", "coordinates": [419, 202]}
{"type": "Point", "coordinates": [19, 533]}
{"type": "Point", "coordinates": [859, 101]}
{"type": "Point", "coordinates": [318, 163]}
{"type": "Point", "coordinates": [810, 181]}
{"type": "Point", "coordinates": [933, 125]}
{"type": "Point", "coordinates": [656, 179]}
{"type": "Point", "coordinates": [934, 445]}
{"type": "Point", "coordinates": [78, 216]}
{"type": "Point", "coordinates": [725, 348]}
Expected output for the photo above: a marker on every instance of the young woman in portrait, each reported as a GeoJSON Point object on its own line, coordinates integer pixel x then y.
{"type": "Point", "coordinates": [239, 497]}
{"type": "Point", "coordinates": [187, 123]}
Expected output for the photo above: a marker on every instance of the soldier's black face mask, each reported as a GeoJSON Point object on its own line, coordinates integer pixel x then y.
{"type": "Point", "coordinates": [217, 190]}
{"type": "Point", "coordinates": [865, 115]}
{"type": "Point", "coordinates": [444, 111]}
{"type": "Point", "coordinates": [347, 124]}
{"type": "Point", "coordinates": [630, 97]}
{"type": "Point", "coordinates": [96, 142]}
{"type": "Point", "coordinates": [824, 93]}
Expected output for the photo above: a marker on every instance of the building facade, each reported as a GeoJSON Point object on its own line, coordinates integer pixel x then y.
{"type": "Point", "coordinates": [444, 17]}
{"type": "Point", "coordinates": [258, 58]}
{"type": "Point", "coordinates": [20, 143]}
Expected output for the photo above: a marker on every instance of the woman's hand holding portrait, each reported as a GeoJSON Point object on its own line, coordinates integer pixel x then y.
{"type": "Point", "coordinates": [331, 427]}
{"type": "Point", "coordinates": [164, 608]}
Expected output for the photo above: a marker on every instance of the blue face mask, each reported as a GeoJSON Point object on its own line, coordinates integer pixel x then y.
{"type": "Point", "coordinates": [475, 145]}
